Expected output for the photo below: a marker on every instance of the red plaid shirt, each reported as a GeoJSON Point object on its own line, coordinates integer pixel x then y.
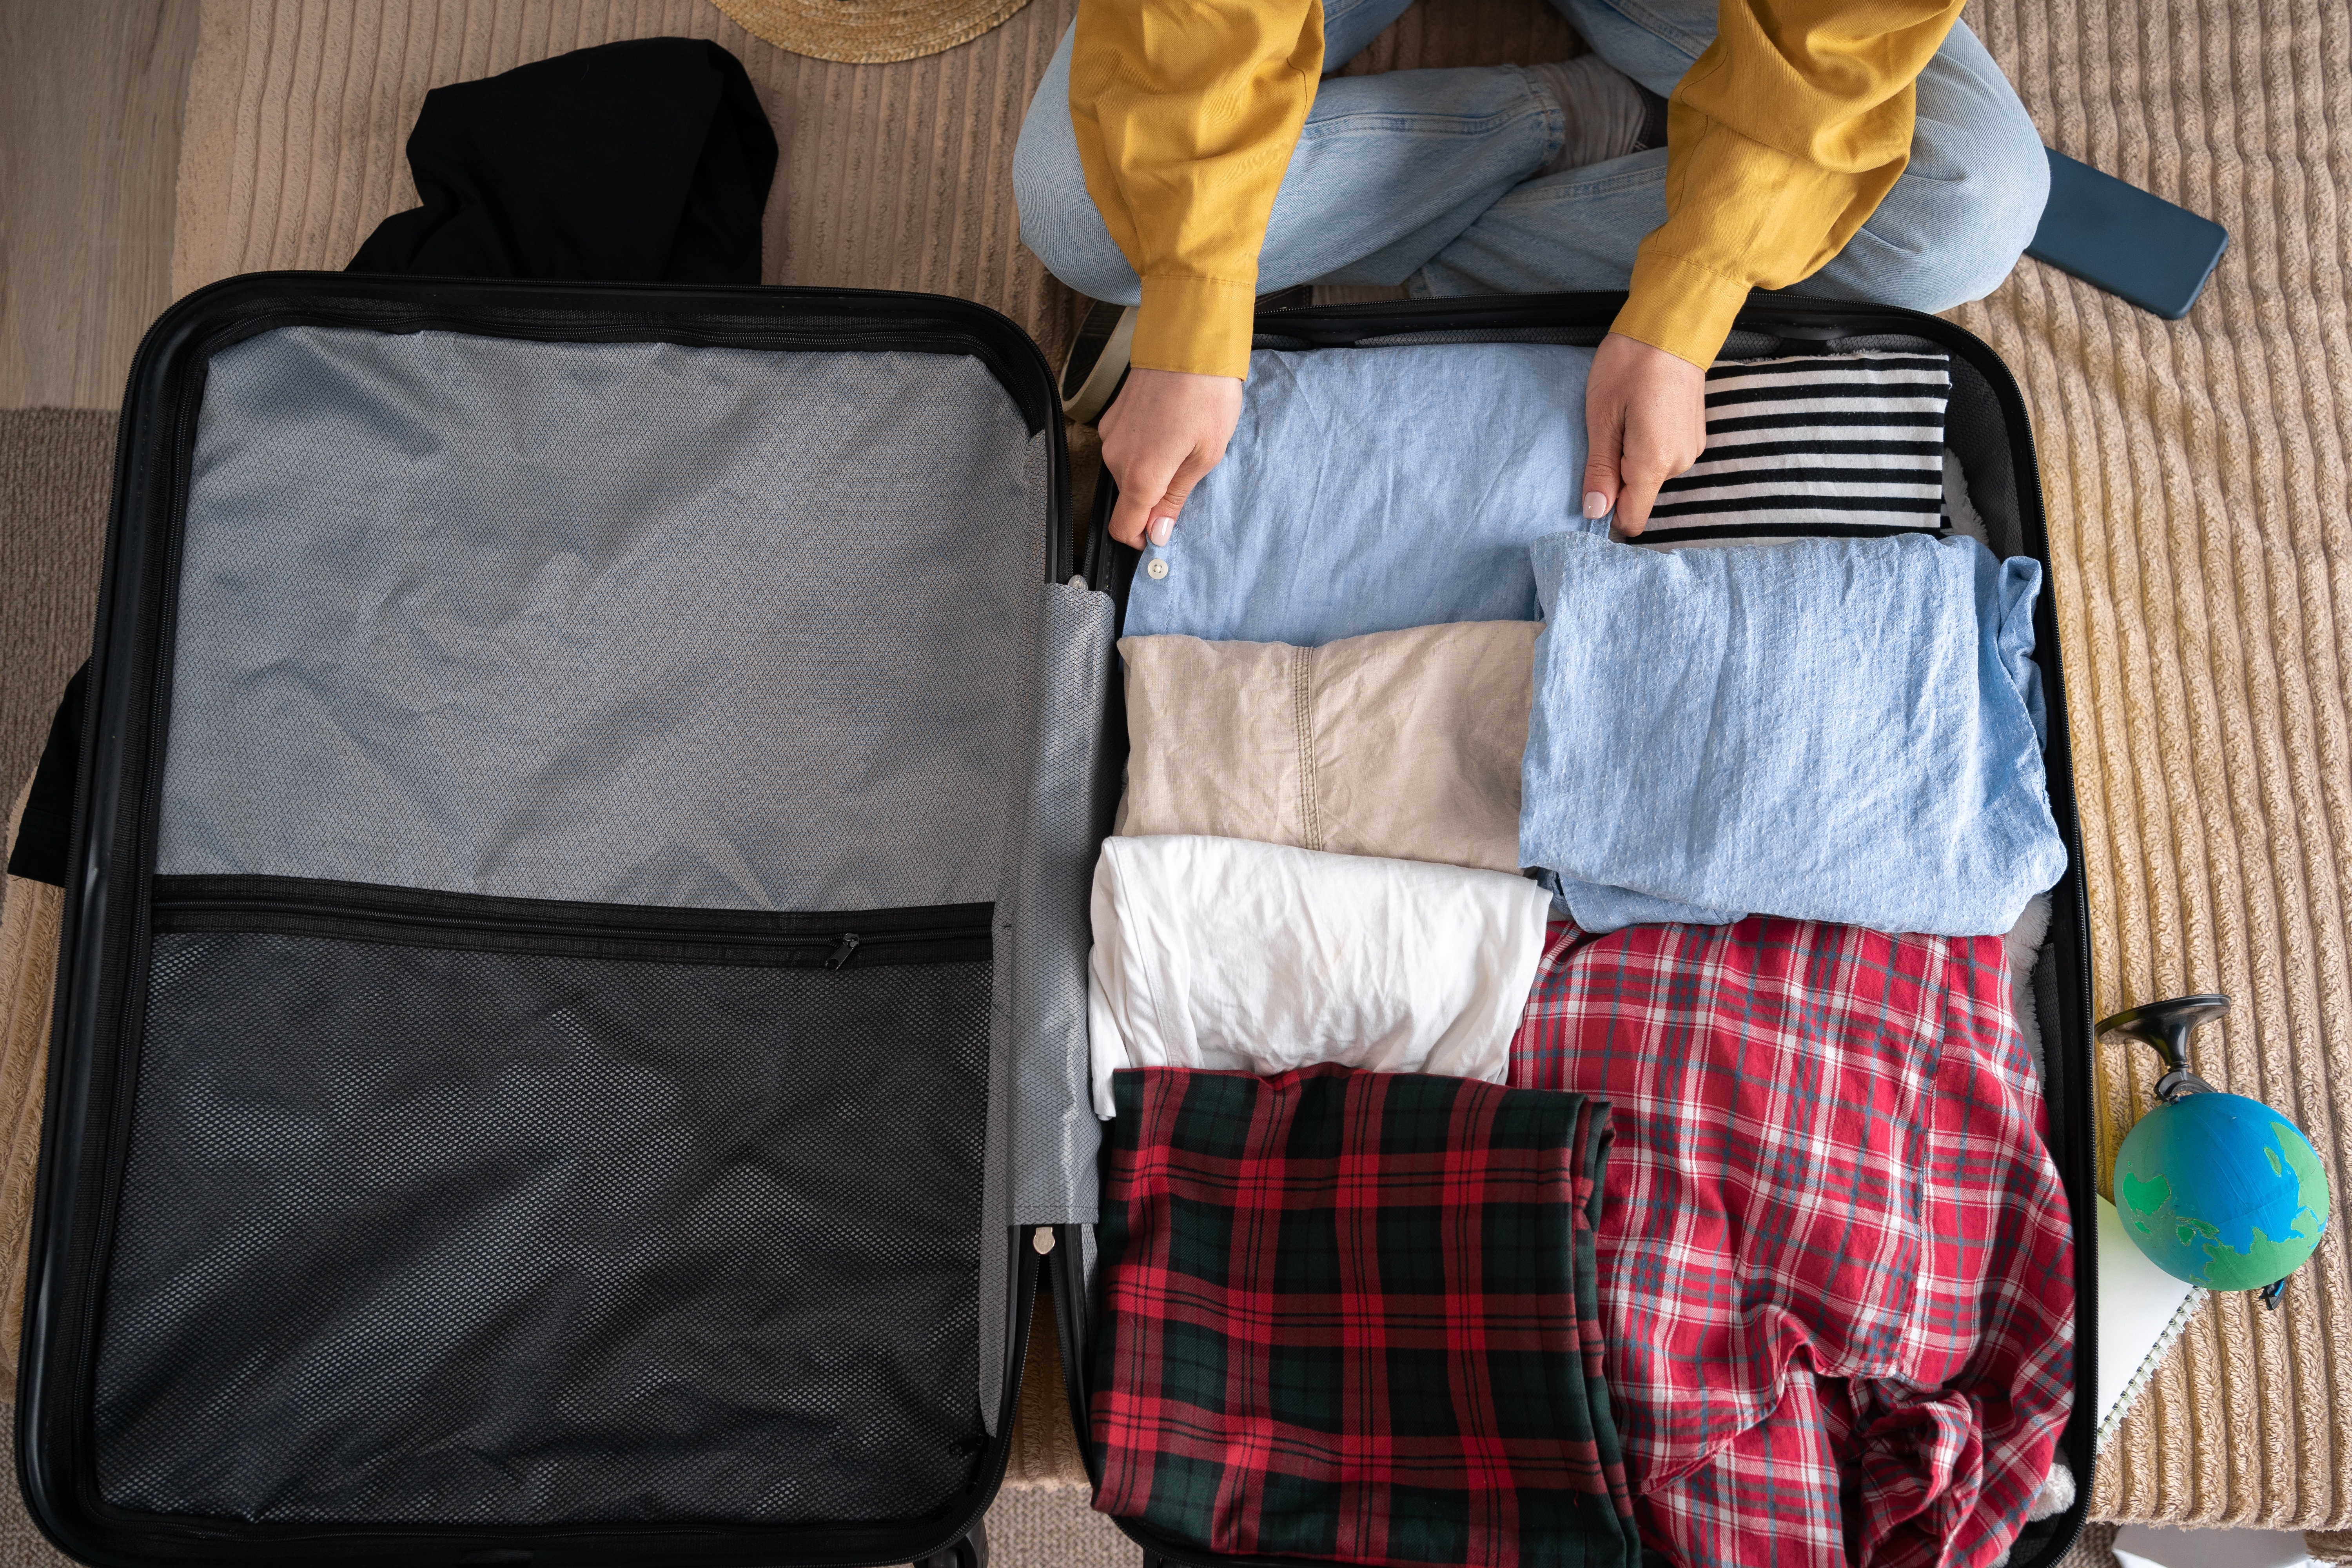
{"type": "Point", "coordinates": [1833, 1245]}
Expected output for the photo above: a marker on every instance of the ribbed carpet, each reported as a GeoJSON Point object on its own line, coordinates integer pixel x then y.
{"type": "Point", "coordinates": [2196, 474]}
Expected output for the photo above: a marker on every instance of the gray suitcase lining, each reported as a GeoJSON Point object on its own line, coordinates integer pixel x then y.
{"type": "Point", "coordinates": [628, 623]}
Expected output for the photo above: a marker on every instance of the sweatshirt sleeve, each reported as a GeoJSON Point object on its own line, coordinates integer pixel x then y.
{"type": "Point", "coordinates": [1782, 138]}
{"type": "Point", "coordinates": [1186, 113]}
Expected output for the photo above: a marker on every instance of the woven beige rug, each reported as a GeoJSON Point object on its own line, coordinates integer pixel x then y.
{"type": "Point", "coordinates": [2196, 479]}
{"type": "Point", "coordinates": [893, 176]}
{"type": "Point", "coordinates": [30, 921]}
{"type": "Point", "coordinates": [56, 466]}
{"type": "Point", "coordinates": [888, 176]}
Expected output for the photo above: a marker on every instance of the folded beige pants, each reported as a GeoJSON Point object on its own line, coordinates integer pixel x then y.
{"type": "Point", "coordinates": [1405, 744]}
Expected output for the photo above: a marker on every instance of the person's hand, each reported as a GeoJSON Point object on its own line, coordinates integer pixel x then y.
{"type": "Point", "coordinates": [1165, 430]}
{"type": "Point", "coordinates": [1645, 422]}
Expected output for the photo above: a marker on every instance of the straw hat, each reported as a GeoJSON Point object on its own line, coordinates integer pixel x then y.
{"type": "Point", "coordinates": [869, 32]}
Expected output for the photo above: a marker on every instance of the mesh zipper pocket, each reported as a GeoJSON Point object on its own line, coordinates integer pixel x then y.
{"type": "Point", "coordinates": [446, 1210]}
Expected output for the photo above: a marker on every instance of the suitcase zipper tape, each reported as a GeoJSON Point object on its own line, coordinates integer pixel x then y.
{"type": "Point", "coordinates": [737, 332]}
{"type": "Point", "coordinates": [597, 930]}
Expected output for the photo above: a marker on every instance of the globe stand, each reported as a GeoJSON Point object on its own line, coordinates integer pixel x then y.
{"type": "Point", "coordinates": [2165, 1025]}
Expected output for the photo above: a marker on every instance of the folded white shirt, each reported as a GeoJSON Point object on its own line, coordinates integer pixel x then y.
{"type": "Point", "coordinates": [1223, 953]}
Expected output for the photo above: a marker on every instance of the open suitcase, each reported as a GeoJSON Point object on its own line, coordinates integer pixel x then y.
{"type": "Point", "coordinates": [569, 1038]}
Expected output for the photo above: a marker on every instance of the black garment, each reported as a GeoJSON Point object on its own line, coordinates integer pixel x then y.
{"type": "Point", "coordinates": [39, 854]}
{"type": "Point", "coordinates": [647, 161]}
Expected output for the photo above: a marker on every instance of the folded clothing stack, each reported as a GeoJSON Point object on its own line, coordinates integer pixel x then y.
{"type": "Point", "coordinates": [1835, 1250]}
{"type": "Point", "coordinates": [1407, 744]}
{"type": "Point", "coordinates": [1840, 731]}
{"type": "Point", "coordinates": [1372, 491]}
{"type": "Point", "coordinates": [1218, 952]}
{"type": "Point", "coordinates": [1833, 1261]}
{"type": "Point", "coordinates": [1382, 489]}
{"type": "Point", "coordinates": [1815, 446]}
{"type": "Point", "coordinates": [1844, 723]}
{"type": "Point", "coordinates": [1350, 1315]}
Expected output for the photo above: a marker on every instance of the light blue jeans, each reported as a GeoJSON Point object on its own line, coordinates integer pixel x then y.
{"type": "Point", "coordinates": [1428, 178]}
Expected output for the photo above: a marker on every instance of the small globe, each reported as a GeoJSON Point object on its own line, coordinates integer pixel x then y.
{"type": "Point", "coordinates": [2221, 1191]}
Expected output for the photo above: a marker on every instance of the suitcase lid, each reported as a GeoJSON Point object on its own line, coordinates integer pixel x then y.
{"type": "Point", "coordinates": [472, 635]}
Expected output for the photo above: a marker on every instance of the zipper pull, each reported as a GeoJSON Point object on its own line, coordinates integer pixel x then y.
{"type": "Point", "coordinates": [844, 951]}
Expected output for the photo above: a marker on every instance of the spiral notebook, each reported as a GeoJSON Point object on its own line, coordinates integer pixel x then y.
{"type": "Point", "coordinates": [2142, 1310]}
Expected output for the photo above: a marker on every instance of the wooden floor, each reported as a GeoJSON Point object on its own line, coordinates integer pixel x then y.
{"type": "Point", "coordinates": [91, 93]}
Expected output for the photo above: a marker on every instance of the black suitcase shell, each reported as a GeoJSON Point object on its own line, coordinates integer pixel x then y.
{"type": "Point", "coordinates": [1034, 1102]}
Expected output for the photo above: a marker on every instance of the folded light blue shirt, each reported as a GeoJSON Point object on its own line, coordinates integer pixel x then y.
{"type": "Point", "coordinates": [1835, 730]}
{"type": "Point", "coordinates": [1372, 489]}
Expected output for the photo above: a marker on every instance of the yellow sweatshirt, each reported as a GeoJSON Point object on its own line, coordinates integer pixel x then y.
{"type": "Point", "coordinates": [1781, 140]}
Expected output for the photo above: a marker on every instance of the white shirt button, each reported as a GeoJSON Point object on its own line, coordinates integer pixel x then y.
{"type": "Point", "coordinates": [1157, 569]}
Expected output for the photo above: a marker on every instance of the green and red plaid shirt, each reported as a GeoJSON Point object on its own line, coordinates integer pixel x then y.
{"type": "Point", "coordinates": [1352, 1315]}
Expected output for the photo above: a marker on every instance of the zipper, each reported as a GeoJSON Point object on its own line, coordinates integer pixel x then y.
{"type": "Point", "coordinates": [417, 917]}
{"type": "Point", "coordinates": [739, 330]}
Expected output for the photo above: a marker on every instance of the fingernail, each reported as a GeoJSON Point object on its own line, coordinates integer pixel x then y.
{"type": "Point", "coordinates": [1162, 527]}
{"type": "Point", "coordinates": [1595, 504]}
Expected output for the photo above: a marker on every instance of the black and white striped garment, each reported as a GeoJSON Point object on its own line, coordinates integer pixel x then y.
{"type": "Point", "coordinates": [1821, 445]}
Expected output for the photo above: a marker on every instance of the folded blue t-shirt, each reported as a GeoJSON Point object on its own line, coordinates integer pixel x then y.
{"type": "Point", "coordinates": [1371, 490]}
{"type": "Point", "coordinates": [1835, 730]}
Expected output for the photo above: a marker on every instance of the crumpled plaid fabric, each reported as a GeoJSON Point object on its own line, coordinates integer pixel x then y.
{"type": "Point", "coordinates": [1351, 1315]}
{"type": "Point", "coordinates": [1836, 1262]}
